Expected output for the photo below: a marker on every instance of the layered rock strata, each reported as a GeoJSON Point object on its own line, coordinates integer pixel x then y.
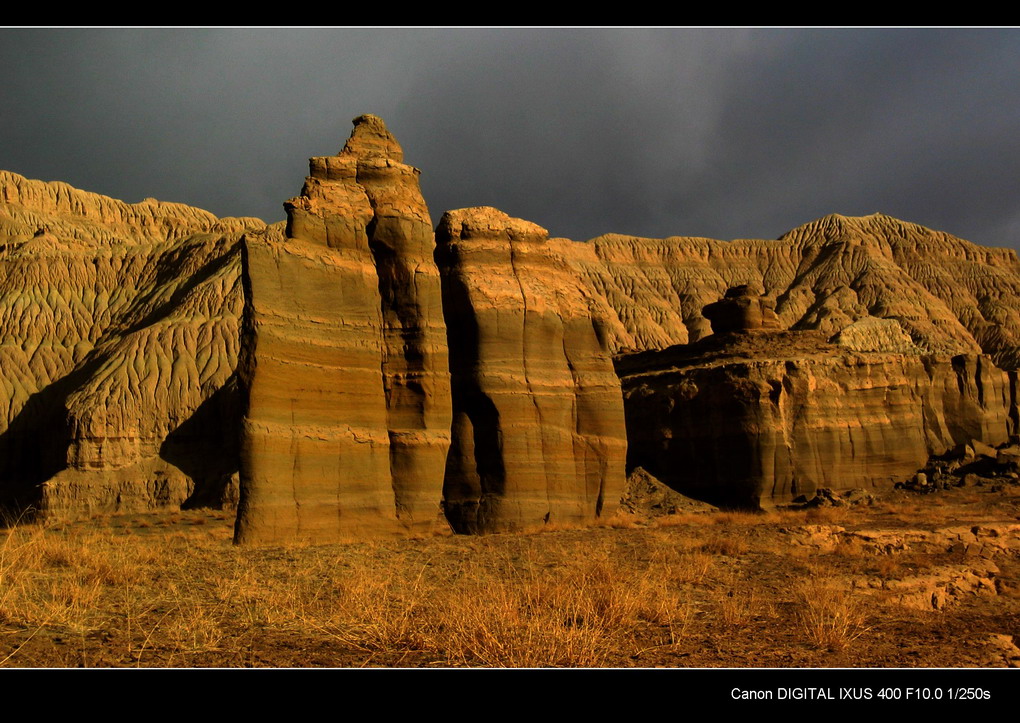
{"type": "Point", "coordinates": [415, 364]}
{"type": "Point", "coordinates": [538, 428]}
{"type": "Point", "coordinates": [743, 420]}
{"type": "Point", "coordinates": [344, 365]}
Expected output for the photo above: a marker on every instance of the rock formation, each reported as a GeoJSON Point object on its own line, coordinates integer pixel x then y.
{"type": "Point", "coordinates": [415, 361]}
{"type": "Point", "coordinates": [538, 430]}
{"type": "Point", "coordinates": [376, 374]}
{"type": "Point", "coordinates": [119, 349]}
{"type": "Point", "coordinates": [947, 295]}
{"type": "Point", "coordinates": [742, 420]}
{"type": "Point", "coordinates": [344, 365]}
{"type": "Point", "coordinates": [742, 310]}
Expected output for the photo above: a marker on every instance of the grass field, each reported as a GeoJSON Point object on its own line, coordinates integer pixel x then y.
{"type": "Point", "coordinates": [787, 589]}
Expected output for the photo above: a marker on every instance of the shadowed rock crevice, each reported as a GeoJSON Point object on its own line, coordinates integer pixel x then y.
{"type": "Point", "coordinates": [33, 448]}
{"type": "Point", "coordinates": [206, 447]}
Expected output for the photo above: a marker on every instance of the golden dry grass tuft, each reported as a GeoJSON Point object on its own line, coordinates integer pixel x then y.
{"type": "Point", "coordinates": [741, 604]}
{"type": "Point", "coordinates": [828, 613]}
{"type": "Point", "coordinates": [721, 544]}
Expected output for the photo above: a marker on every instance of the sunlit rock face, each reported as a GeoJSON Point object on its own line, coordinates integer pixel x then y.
{"type": "Point", "coordinates": [344, 362]}
{"type": "Point", "coordinates": [745, 420]}
{"type": "Point", "coordinates": [538, 430]}
{"type": "Point", "coordinates": [947, 295]}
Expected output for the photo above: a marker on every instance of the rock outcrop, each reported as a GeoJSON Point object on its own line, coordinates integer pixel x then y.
{"type": "Point", "coordinates": [743, 420]}
{"type": "Point", "coordinates": [741, 309]}
{"type": "Point", "coordinates": [344, 366]}
{"type": "Point", "coordinates": [949, 296]}
{"type": "Point", "coordinates": [646, 497]}
{"type": "Point", "coordinates": [538, 429]}
{"type": "Point", "coordinates": [415, 364]}
{"type": "Point", "coordinates": [120, 339]}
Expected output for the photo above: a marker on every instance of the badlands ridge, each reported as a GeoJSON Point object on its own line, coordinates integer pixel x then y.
{"type": "Point", "coordinates": [363, 370]}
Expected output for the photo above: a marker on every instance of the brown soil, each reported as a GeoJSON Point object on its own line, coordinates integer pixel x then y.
{"type": "Point", "coordinates": [876, 586]}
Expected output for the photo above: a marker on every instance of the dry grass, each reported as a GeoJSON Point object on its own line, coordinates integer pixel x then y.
{"type": "Point", "coordinates": [710, 589]}
{"type": "Point", "coordinates": [736, 517]}
{"type": "Point", "coordinates": [828, 613]}
{"type": "Point", "coordinates": [724, 545]}
{"type": "Point", "coordinates": [827, 515]}
{"type": "Point", "coordinates": [741, 602]}
{"type": "Point", "coordinates": [172, 598]}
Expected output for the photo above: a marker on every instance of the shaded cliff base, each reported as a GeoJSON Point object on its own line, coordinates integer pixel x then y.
{"type": "Point", "coordinates": [909, 581]}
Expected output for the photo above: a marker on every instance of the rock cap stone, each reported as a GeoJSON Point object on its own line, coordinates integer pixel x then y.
{"type": "Point", "coordinates": [370, 137]}
{"type": "Point", "coordinates": [742, 308]}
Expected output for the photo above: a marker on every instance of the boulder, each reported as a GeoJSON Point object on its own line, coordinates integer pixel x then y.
{"type": "Point", "coordinates": [742, 310]}
{"type": "Point", "coordinates": [1008, 456]}
{"type": "Point", "coordinates": [982, 449]}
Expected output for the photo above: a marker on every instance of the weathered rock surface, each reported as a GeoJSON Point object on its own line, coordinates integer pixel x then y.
{"type": "Point", "coordinates": [937, 588]}
{"type": "Point", "coordinates": [874, 334]}
{"type": "Point", "coordinates": [1001, 651]}
{"type": "Point", "coordinates": [947, 295]}
{"type": "Point", "coordinates": [538, 430]}
{"type": "Point", "coordinates": [119, 349]}
{"type": "Point", "coordinates": [933, 588]}
{"type": "Point", "coordinates": [416, 377]}
{"type": "Point", "coordinates": [750, 418]}
{"type": "Point", "coordinates": [986, 540]}
{"type": "Point", "coordinates": [344, 364]}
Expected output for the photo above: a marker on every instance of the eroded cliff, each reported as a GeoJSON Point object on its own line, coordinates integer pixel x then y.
{"type": "Point", "coordinates": [538, 430]}
{"type": "Point", "coordinates": [949, 296]}
{"type": "Point", "coordinates": [120, 345]}
{"type": "Point", "coordinates": [745, 419]}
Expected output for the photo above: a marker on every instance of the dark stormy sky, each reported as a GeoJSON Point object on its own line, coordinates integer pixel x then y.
{"type": "Point", "coordinates": [720, 133]}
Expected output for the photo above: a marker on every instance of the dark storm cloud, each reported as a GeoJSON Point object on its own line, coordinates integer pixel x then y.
{"type": "Point", "coordinates": [723, 133]}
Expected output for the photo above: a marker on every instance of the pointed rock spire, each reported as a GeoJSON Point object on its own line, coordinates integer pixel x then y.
{"type": "Point", "coordinates": [370, 137]}
{"type": "Point", "coordinates": [344, 356]}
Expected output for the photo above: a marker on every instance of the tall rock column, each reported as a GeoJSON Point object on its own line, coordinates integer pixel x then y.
{"type": "Point", "coordinates": [415, 363]}
{"type": "Point", "coordinates": [347, 387]}
{"type": "Point", "coordinates": [538, 428]}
